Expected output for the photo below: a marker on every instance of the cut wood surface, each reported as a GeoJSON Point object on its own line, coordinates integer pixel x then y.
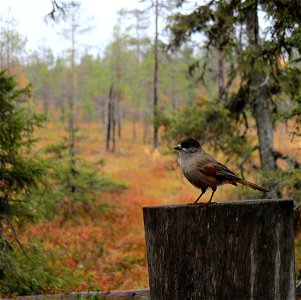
{"type": "Point", "coordinates": [229, 250]}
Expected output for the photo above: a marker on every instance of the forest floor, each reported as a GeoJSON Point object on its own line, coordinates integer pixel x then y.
{"type": "Point", "coordinates": [108, 244]}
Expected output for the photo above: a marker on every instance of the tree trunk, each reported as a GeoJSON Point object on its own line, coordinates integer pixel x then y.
{"type": "Point", "coordinates": [134, 135]}
{"type": "Point", "coordinates": [71, 114]}
{"type": "Point", "coordinates": [113, 118]}
{"type": "Point", "coordinates": [119, 121]}
{"type": "Point", "coordinates": [261, 114]}
{"type": "Point", "coordinates": [229, 250]}
{"type": "Point", "coordinates": [109, 118]}
{"type": "Point", "coordinates": [156, 67]}
{"type": "Point", "coordinates": [221, 73]}
{"type": "Point", "coordinates": [145, 128]}
{"type": "Point", "coordinates": [260, 100]}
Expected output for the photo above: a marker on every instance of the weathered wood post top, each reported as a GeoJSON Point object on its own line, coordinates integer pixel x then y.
{"type": "Point", "coordinates": [229, 250]}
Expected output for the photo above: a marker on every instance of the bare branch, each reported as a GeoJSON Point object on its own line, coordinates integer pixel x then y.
{"type": "Point", "coordinates": [292, 163]}
{"type": "Point", "coordinates": [56, 12]}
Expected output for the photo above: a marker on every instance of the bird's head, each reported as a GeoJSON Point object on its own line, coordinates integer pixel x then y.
{"type": "Point", "coordinates": [188, 145]}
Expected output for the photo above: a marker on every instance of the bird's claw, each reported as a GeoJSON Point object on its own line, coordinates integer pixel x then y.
{"type": "Point", "coordinates": [201, 203]}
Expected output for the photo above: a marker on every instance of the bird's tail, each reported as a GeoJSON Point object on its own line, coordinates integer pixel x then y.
{"type": "Point", "coordinates": [252, 185]}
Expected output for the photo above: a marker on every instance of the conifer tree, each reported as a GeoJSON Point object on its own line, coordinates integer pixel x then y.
{"type": "Point", "coordinates": [267, 68]}
{"type": "Point", "coordinates": [20, 172]}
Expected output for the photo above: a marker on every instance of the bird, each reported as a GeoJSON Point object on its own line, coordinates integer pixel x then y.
{"type": "Point", "coordinates": [203, 171]}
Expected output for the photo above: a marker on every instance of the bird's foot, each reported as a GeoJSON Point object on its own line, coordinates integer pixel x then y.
{"type": "Point", "coordinates": [210, 202]}
{"type": "Point", "coordinates": [196, 203]}
{"type": "Point", "coordinates": [201, 203]}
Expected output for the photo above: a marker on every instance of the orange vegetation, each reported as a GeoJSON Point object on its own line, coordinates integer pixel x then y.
{"type": "Point", "coordinates": [109, 246]}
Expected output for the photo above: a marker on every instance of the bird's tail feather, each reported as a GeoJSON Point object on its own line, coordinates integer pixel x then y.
{"type": "Point", "coordinates": [252, 185]}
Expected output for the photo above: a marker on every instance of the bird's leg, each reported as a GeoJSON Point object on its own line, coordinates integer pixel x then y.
{"type": "Point", "coordinates": [196, 201]}
{"type": "Point", "coordinates": [213, 191]}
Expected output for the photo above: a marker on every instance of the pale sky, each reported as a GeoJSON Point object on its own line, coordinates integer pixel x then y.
{"type": "Point", "coordinates": [30, 15]}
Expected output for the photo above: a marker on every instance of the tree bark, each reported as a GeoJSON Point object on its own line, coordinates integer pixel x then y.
{"type": "Point", "coordinates": [260, 102]}
{"type": "Point", "coordinates": [221, 73]}
{"type": "Point", "coordinates": [109, 118]}
{"type": "Point", "coordinates": [230, 250]}
{"type": "Point", "coordinates": [145, 128]}
{"type": "Point", "coordinates": [119, 121]}
{"type": "Point", "coordinates": [156, 68]}
{"type": "Point", "coordinates": [134, 132]}
{"type": "Point", "coordinates": [113, 127]}
{"type": "Point", "coordinates": [71, 103]}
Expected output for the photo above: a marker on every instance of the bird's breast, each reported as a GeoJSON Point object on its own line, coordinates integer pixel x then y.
{"type": "Point", "coordinates": [195, 176]}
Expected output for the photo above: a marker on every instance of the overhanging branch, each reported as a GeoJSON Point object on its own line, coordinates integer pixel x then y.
{"type": "Point", "coordinates": [293, 163]}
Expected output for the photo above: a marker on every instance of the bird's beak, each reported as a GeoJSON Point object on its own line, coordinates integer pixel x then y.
{"type": "Point", "coordinates": [178, 147]}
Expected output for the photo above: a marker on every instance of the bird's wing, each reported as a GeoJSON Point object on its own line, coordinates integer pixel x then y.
{"type": "Point", "coordinates": [217, 169]}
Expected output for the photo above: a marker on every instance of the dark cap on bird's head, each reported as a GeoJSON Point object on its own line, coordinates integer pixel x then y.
{"type": "Point", "coordinates": [187, 143]}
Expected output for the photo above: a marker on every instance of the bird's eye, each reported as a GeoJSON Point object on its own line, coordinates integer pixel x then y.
{"type": "Point", "coordinates": [184, 145]}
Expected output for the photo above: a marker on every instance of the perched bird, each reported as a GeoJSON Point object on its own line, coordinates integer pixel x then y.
{"type": "Point", "coordinates": [203, 171]}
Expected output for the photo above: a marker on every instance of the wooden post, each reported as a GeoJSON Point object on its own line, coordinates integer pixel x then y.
{"type": "Point", "coordinates": [230, 250]}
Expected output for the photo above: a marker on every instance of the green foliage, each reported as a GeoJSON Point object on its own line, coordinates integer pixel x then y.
{"type": "Point", "coordinates": [292, 182]}
{"type": "Point", "coordinates": [20, 173]}
{"type": "Point", "coordinates": [277, 58]}
{"type": "Point", "coordinates": [290, 84]}
{"type": "Point", "coordinates": [213, 126]}
{"type": "Point", "coordinates": [12, 43]}
{"type": "Point", "coordinates": [93, 76]}
{"type": "Point", "coordinates": [261, 72]}
{"type": "Point", "coordinates": [127, 65]}
{"type": "Point", "coordinates": [35, 271]}
{"type": "Point", "coordinates": [23, 270]}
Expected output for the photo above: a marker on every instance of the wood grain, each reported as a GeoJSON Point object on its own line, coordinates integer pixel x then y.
{"type": "Point", "coordinates": [230, 250]}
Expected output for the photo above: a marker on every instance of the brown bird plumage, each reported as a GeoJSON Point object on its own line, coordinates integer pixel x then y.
{"type": "Point", "coordinates": [203, 171]}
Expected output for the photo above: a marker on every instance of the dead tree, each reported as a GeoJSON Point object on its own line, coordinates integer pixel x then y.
{"type": "Point", "coordinates": [109, 117]}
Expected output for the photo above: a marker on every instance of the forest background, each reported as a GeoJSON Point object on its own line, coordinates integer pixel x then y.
{"type": "Point", "coordinates": [86, 139]}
